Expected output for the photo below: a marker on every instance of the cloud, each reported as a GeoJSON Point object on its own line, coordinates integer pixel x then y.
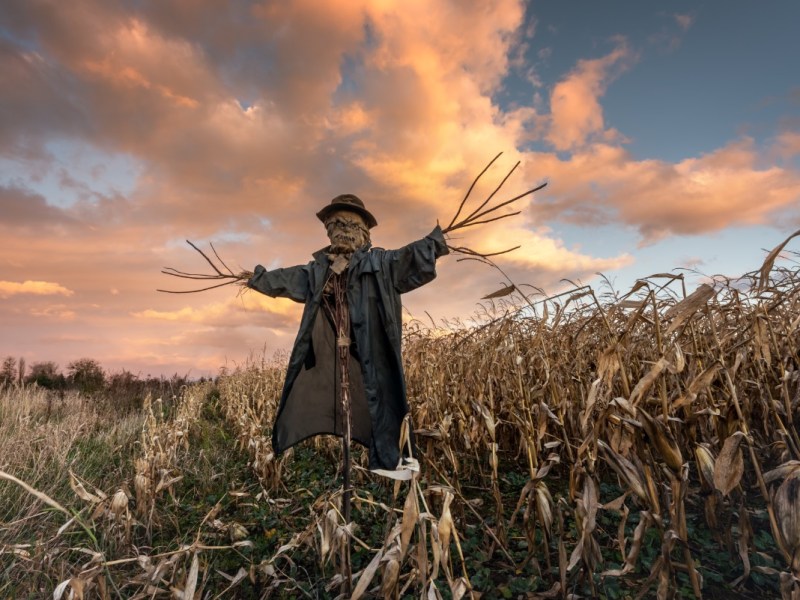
{"type": "Point", "coordinates": [57, 312]}
{"type": "Point", "coordinates": [39, 99]}
{"type": "Point", "coordinates": [66, 338]}
{"type": "Point", "coordinates": [249, 308]}
{"type": "Point", "coordinates": [671, 36]}
{"type": "Point", "coordinates": [575, 111]}
{"type": "Point", "coordinates": [543, 252]}
{"type": "Point", "coordinates": [787, 144]}
{"type": "Point", "coordinates": [35, 288]}
{"type": "Point", "coordinates": [603, 184]}
{"type": "Point", "coordinates": [177, 104]}
{"type": "Point", "coordinates": [684, 21]}
{"type": "Point", "coordinates": [21, 208]}
{"type": "Point", "coordinates": [692, 262]}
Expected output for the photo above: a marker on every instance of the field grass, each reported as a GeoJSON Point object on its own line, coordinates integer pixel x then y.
{"type": "Point", "coordinates": [593, 444]}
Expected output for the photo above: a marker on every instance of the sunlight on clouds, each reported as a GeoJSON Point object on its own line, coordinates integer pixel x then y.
{"type": "Point", "coordinates": [348, 119]}
{"type": "Point", "coordinates": [229, 311]}
{"type": "Point", "coordinates": [135, 56]}
{"type": "Point", "coordinates": [245, 129]}
{"type": "Point", "coordinates": [426, 92]}
{"type": "Point", "coordinates": [58, 312]}
{"type": "Point", "coordinates": [430, 36]}
{"type": "Point", "coordinates": [186, 314]}
{"type": "Point", "coordinates": [539, 251]}
{"type": "Point", "coordinates": [728, 187]}
{"type": "Point", "coordinates": [130, 77]}
{"type": "Point", "coordinates": [575, 108]}
{"type": "Point", "coordinates": [603, 183]}
{"type": "Point", "coordinates": [35, 288]}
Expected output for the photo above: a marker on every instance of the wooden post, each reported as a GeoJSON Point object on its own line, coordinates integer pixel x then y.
{"type": "Point", "coordinates": [343, 344]}
{"type": "Point", "coordinates": [341, 315]}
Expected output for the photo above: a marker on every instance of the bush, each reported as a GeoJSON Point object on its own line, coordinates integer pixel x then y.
{"type": "Point", "coordinates": [46, 375]}
{"type": "Point", "coordinates": [86, 375]}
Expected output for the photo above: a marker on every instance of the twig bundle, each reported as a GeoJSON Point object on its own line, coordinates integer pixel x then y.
{"type": "Point", "coordinates": [480, 215]}
{"type": "Point", "coordinates": [227, 277]}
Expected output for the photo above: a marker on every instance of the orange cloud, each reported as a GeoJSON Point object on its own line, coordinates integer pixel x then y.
{"type": "Point", "coordinates": [539, 251]}
{"type": "Point", "coordinates": [239, 310]}
{"type": "Point", "coordinates": [58, 312]}
{"type": "Point", "coordinates": [133, 55]}
{"type": "Point", "coordinates": [604, 184]}
{"type": "Point", "coordinates": [35, 288]}
{"type": "Point", "coordinates": [787, 145]}
{"type": "Point", "coordinates": [575, 111]}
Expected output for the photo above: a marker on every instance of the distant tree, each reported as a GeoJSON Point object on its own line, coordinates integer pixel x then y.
{"type": "Point", "coordinates": [46, 375]}
{"type": "Point", "coordinates": [21, 370]}
{"type": "Point", "coordinates": [126, 390]}
{"type": "Point", "coordinates": [8, 372]}
{"type": "Point", "coordinates": [123, 381]}
{"type": "Point", "coordinates": [86, 375]}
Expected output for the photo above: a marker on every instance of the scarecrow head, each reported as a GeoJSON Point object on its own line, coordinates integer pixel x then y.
{"type": "Point", "coordinates": [347, 223]}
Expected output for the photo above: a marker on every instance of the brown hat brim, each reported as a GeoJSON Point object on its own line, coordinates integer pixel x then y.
{"type": "Point", "coordinates": [333, 207]}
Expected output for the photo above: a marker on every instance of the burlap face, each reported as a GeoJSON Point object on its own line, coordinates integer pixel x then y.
{"type": "Point", "coordinates": [347, 231]}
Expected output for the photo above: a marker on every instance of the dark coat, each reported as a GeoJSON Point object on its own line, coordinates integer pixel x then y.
{"type": "Point", "coordinates": [375, 280]}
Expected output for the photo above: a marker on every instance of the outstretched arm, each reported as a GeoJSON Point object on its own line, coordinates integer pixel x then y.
{"type": "Point", "coordinates": [291, 282]}
{"type": "Point", "coordinates": [414, 265]}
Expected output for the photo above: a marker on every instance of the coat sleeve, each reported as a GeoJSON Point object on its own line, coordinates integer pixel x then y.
{"type": "Point", "coordinates": [291, 282]}
{"type": "Point", "coordinates": [414, 265]}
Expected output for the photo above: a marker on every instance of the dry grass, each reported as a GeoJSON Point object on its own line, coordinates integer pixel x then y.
{"type": "Point", "coordinates": [637, 445]}
{"type": "Point", "coordinates": [51, 443]}
{"type": "Point", "coordinates": [42, 435]}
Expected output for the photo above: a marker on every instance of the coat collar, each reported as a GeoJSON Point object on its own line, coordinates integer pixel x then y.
{"type": "Point", "coordinates": [321, 255]}
{"type": "Point", "coordinates": [366, 261]}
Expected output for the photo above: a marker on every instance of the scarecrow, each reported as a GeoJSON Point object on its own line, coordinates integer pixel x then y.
{"type": "Point", "coordinates": [350, 333]}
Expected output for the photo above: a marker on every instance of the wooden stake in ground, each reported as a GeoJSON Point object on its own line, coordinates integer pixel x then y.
{"type": "Point", "coordinates": [339, 311]}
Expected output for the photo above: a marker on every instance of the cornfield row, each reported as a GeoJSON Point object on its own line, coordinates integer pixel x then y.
{"type": "Point", "coordinates": [660, 396]}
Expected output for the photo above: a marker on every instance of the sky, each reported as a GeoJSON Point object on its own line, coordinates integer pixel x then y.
{"type": "Point", "coordinates": [668, 135]}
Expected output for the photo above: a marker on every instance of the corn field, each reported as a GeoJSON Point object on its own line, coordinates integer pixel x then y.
{"type": "Point", "coordinates": [591, 444]}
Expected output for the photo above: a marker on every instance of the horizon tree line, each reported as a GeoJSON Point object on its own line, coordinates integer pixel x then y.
{"type": "Point", "coordinates": [85, 375]}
